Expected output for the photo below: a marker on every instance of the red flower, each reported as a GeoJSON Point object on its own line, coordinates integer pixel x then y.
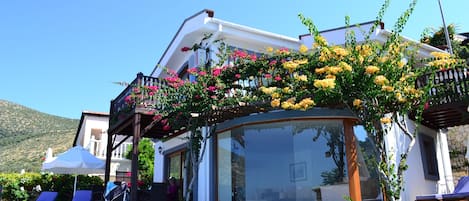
{"type": "Point", "coordinates": [202, 73]}
{"type": "Point", "coordinates": [268, 76]}
{"type": "Point", "coordinates": [185, 49]}
{"type": "Point", "coordinates": [273, 62]}
{"type": "Point", "coordinates": [277, 78]}
{"type": "Point", "coordinates": [238, 75]}
{"type": "Point", "coordinates": [153, 88]}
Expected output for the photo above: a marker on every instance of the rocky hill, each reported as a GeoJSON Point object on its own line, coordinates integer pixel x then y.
{"type": "Point", "coordinates": [25, 135]}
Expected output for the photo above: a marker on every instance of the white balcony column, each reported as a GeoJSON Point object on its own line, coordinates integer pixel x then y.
{"type": "Point", "coordinates": [91, 145]}
{"type": "Point", "coordinates": [447, 175]}
{"type": "Point", "coordinates": [158, 170]}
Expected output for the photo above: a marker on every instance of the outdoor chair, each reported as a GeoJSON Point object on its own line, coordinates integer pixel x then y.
{"type": "Point", "coordinates": [460, 193]}
{"type": "Point", "coordinates": [47, 196]}
{"type": "Point", "coordinates": [83, 195]}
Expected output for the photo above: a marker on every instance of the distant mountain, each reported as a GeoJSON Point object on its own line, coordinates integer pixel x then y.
{"type": "Point", "coordinates": [25, 135]}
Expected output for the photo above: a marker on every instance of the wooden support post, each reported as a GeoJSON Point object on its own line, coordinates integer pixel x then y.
{"type": "Point", "coordinates": [107, 173]}
{"type": "Point", "coordinates": [352, 161]}
{"type": "Point", "coordinates": [134, 171]}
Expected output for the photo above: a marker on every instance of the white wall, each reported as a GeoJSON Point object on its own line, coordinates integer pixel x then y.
{"type": "Point", "coordinates": [415, 182]}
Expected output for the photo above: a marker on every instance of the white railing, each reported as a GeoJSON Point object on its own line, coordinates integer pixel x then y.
{"type": "Point", "coordinates": [98, 149]}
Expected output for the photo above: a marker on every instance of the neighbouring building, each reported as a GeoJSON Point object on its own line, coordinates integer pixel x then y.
{"type": "Point", "coordinates": [92, 135]}
{"type": "Point", "coordinates": [285, 155]}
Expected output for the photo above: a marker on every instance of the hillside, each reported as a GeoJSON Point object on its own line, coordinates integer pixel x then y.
{"type": "Point", "coordinates": [25, 135]}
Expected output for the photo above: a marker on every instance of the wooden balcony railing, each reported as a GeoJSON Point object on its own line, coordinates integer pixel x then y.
{"type": "Point", "coordinates": [120, 110]}
{"type": "Point", "coordinates": [449, 98]}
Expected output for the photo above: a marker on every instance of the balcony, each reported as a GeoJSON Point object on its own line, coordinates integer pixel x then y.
{"type": "Point", "coordinates": [98, 149]}
{"type": "Point", "coordinates": [449, 99]}
{"type": "Point", "coordinates": [121, 113]}
{"type": "Point", "coordinates": [447, 106]}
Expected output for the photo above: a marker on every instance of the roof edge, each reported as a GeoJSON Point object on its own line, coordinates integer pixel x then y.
{"type": "Point", "coordinates": [210, 13]}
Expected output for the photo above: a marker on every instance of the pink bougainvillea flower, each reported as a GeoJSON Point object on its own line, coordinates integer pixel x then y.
{"type": "Point", "coordinates": [426, 106]}
{"type": "Point", "coordinates": [202, 73]}
{"type": "Point", "coordinates": [277, 78]}
{"type": "Point", "coordinates": [212, 88]}
{"type": "Point", "coordinates": [273, 62]}
{"type": "Point", "coordinates": [239, 54]}
{"type": "Point", "coordinates": [164, 121]}
{"type": "Point", "coordinates": [136, 90]}
{"type": "Point", "coordinates": [192, 70]}
{"type": "Point", "coordinates": [216, 72]}
{"type": "Point", "coordinates": [128, 99]}
{"type": "Point", "coordinates": [151, 93]}
{"type": "Point", "coordinates": [268, 76]}
{"type": "Point", "coordinates": [253, 57]}
{"type": "Point", "coordinates": [166, 127]}
{"type": "Point", "coordinates": [153, 88]}
{"type": "Point", "coordinates": [238, 75]}
{"type": "Point", "coordinates": [185, 49]}
{"type": "Point", "coordinates": [157, 117]}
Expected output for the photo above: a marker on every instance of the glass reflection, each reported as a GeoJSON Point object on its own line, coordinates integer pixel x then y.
{"type": "Point", "coordinates": [288, 161]}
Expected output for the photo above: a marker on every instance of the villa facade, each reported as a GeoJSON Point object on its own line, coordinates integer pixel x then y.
{"type": "Point", "coordinates": [318, 154]}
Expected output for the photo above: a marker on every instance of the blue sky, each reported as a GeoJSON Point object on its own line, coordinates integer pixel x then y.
{"type": "Point", "coordinates": [62, 57]}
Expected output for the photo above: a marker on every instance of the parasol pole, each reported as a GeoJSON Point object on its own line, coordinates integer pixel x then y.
{"type": "Point", "coordinates": [75, 186]}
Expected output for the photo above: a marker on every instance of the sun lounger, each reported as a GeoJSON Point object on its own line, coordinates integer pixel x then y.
{"type": "Point", "coordinates": [47, 196]}
{"type": "Point", "coordinates": [83, 195]}
{"type": "Point", "coordinates": [461, 192]}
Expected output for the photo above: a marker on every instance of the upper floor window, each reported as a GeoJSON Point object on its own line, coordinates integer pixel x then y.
{"type": "Point", "coordinates": [429, 161]}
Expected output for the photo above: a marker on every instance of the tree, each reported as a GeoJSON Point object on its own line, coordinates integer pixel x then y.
{"type": "Point", "coordinates": [145, 161]}
{"type": "Point", "coordinates": [436, 38]}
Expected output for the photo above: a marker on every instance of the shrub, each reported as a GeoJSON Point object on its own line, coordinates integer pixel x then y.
{"type": "Point", "coordinates": [21, 187]}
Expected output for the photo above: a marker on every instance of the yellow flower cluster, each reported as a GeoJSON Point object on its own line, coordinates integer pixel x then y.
{"type": "Point", "coordinates": [386, 120]}
{"type": "Point", "coordinates": [303, 78]}
{"type": "Point", "coordinates": [345, 66]}
{"type": "Point", "coordinates": [443, 63]}
{"type": "Point", "coordinates": [269, 49]}
{"type": "Point", "coordinates": [303, 49]}
{"type": "Point", "coordinates": [371, 70]}
{"type": "Point", "coordinates": [293, 64]}
{"type": "Point", "coordinates": [387, 88]}
{"type": "Point", "coordinates": [364, 50]}
{"type": "Point", "coordinates": [325, 55]}
{"type": "Point", "coordinates": [286, 90]}
{"type": "Point", "coordinates": [339, 52]}
{"type": "Point", "coordinates": [441, 55]}
{"type": "Point", "coordinates": [400, 98]}
{"type": "Point", "coordinates": [381, 80]}
{"type": "Point", "coordinates": [320, 41]}
{"type": "Point", "coordinates": [357, 103]}
{"type": "Point", "coordinates": [268, 90]}
{"type": "Point", "coordinates": [324, 84]}
{"type": "Point", "coordinates": [290, 104]}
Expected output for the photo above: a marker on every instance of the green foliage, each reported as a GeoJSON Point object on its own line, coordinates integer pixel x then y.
{"type": "Point", "coordinates": [25, 135]}
{"type": "Point", "coordinates": [146, 158]}
{"type": "Point", "coordinates": [21, 187]}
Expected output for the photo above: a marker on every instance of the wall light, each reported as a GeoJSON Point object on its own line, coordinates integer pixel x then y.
{"type": "Point", "coordinates": [160, 149]}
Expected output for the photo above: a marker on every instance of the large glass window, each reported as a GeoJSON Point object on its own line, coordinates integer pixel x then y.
{"type": "Point", "coordinates": [294, 160]}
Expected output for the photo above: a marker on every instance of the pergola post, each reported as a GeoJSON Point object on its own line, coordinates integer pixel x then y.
{"type": "Point", "coordinates": [107, 171]}
{"type": "Point", "coordinates": [352, 161]}
{"type": "Point", "coordinates": [134, 171]}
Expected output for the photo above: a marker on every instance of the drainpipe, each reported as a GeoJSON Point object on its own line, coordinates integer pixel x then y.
{"type": "Point", "coordinates": [448, 175]}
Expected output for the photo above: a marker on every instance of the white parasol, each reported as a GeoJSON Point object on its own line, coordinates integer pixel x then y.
{"type": "Point", "coordinates": [76, 160]}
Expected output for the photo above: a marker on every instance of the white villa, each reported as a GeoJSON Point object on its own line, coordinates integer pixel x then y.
{"type": "Point", "coordinates": [278, 155]}
{"type": "Point", "coordinates": [92, 135]}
